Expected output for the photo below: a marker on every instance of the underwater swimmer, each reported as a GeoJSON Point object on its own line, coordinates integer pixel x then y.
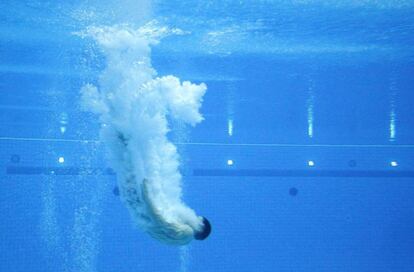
{"type": "Point", "coordinates": [166, 226]}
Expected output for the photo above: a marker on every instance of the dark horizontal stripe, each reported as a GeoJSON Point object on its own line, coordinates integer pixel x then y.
{"type": "Point", "coordinates": [14, 170]}
{"type": "Point", "coordinates": [300, 173]}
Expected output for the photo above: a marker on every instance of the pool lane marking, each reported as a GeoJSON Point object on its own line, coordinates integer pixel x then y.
{"type": "Point", "coordinates": [222, 144]}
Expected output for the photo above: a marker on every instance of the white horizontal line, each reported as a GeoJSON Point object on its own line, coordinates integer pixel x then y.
{"type": "Point", "coordinates": [47, 140]}
{"type": "Point", "coordinates": [305, 145]}
{"type": "Point", "coordinates": [225, 144]}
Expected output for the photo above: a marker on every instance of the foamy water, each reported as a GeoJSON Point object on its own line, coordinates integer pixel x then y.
{"type": "Point", "coordinates": [134, 105]}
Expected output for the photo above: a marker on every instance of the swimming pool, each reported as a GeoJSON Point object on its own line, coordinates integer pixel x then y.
{"type": "Point", "coordinates": [303, 162]}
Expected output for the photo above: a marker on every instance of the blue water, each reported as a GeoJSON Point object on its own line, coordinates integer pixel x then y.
{"type": "Point", "coordinates": [304, 160]}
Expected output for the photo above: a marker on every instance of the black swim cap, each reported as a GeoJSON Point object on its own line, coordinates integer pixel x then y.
{"type": "Point", "coordinates": [204, 232]}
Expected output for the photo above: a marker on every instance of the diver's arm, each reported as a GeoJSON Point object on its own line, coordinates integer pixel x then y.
{"type": "Point", "coordinates": [152, 209]}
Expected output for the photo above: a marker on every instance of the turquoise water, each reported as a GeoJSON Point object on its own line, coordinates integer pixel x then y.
{"type": "Point", "coordinates": [295, 137]}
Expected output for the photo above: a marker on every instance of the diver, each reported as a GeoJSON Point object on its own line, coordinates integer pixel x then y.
{"type": "Point", "coordinates": [162, 229]}
{"type": "Point", "coordinates": [134, 107]}
{"type": "Point", "coordinates": [171, 224]}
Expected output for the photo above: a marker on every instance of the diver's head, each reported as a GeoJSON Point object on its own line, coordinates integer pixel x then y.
{"type": "Point", "coordinates": [204, 232]}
